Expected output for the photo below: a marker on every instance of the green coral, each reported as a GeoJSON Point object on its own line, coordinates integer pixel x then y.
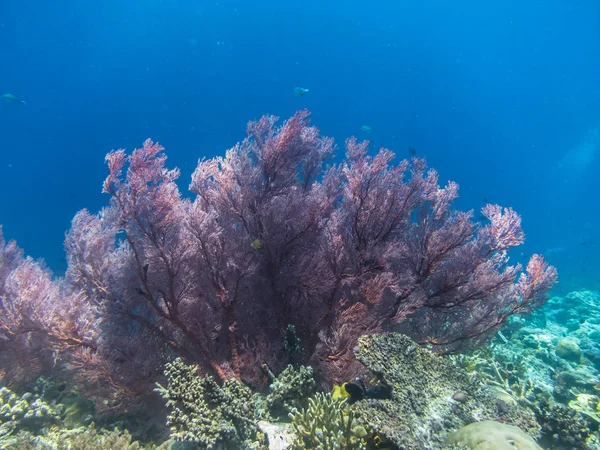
{"type": "Point", "coordinates": [92, 439]}
{"type": "Point", "coordinates": [29, 422]}
{"type": "Point", "coordinates": [26, 412]}
{"type": "Point", "coordinates": [74, 409]}
{"type": "Point", "coordinates": [80, 439]}
{"type": "Point", "coordinates": [292, 345]}
{"type": "Point", "coordinates": [207, 414]}
{"type": "Point", "coordinates": [290, 390]}
{"type": "Point", "coordinates": [327, 424]}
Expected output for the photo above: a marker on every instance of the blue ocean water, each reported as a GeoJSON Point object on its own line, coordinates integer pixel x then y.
{"type": "Point", "coordinates": [502, 97]}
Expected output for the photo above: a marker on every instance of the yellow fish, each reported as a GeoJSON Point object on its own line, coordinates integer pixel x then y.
{"type": "Point", "coordinates": [339, 392]}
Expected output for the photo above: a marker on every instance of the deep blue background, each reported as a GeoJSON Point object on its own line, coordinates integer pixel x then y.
{"type": "Point", "coordinates": [503, 98]}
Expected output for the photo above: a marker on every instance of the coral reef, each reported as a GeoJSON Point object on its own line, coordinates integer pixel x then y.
{"type": "Point", "coordinates": [546, 362]}
{"type": "Point", "coordinates": [80, 439]}
{"type": "Point", "coordinates": [207, 414]}
{"type": "Point", "coordinates": [290, 390]}
{"type": "Point", "coordinates": [271, 237]}
{"type": "Point", "coordinates": [29, 422]}
{"type": "Point", "coordinates": [563, 427]}
{"type": "Point", "coordinates": [327, 424]}
{"type": "Point", "coordinates": [26, 412]}
{"type": "Point", "coordinates": [276, 243]}
{"type": "Point", "coordinates": [490, 435]}
{"type": "Point", "coordinates": [507, 374]}
{"type": "Point", "coordinates": [431, 395]}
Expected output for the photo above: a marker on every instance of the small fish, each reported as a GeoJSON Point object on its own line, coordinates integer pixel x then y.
{"type": "Point", "coordinates": [299, 91]}
{"type": "Point", "coordinates": [412, 151]}
{"type": "Point", "coordinates": [383, 391]}
{"type": "Point", "coordinates": [339, 392]}
{"type": "Point", "coordinates": [256, 244]}
{"type": "Point", "coordinates": [356, 389]}
{"type": "Point", "coordinates": [9, 98]}
{"type": "Point", "coordinates": [366, 128]}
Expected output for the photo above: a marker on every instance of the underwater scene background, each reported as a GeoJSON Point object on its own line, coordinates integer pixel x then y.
{"type": "Point", "coordinates": [240, 302]}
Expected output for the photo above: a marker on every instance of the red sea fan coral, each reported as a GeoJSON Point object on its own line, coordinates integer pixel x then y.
{"type": "Point", "coordinates": [42, 325]}
{"type": "Point", "coordinates": [274, 237]}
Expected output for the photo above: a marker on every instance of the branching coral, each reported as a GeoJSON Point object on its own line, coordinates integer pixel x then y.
{"type": "Point", "coordinates": [518, 386]}
{"type": "Point", "coordinates": [506, 377]}
{"type": "Point", "coordinates": [290, 390]}
{"type": "Point", "coordinates": [25, 412]}
{"type": "Point", "coordinates": [327, 424]}
{"type": "Point", "coordinates": [206, 413]}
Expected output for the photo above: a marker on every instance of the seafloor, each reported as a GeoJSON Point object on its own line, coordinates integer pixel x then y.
{"type": "Point", "coordinates": [535, 386]}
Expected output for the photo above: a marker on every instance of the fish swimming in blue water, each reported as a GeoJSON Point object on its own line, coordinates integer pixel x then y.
{"type": "Point", "coordinates": [9, 98]}
{"type": "Point", "coordinates": [299, 91]}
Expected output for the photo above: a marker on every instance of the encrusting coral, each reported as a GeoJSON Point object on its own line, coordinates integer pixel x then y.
{"type": "Point", "coordinates": [431, 396]}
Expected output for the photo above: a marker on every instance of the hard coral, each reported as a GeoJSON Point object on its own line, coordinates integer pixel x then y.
{"type": "Point", "coordinates": [424, 407]}
{"type": "Point", "coordinates": [208, 414]}
{"type": "Point", "coordinates": [327, 424]}
{"type": "Point", "coordinates": [290, 390]}
{"type": "Point", "coordinates": [490, 435]}
{"type": "Point", "coordinates": [564, 427]}
{"type": "Point", "coordinates": [80, 439]}
{"type": "Point", "coordinates": [25, 412]}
